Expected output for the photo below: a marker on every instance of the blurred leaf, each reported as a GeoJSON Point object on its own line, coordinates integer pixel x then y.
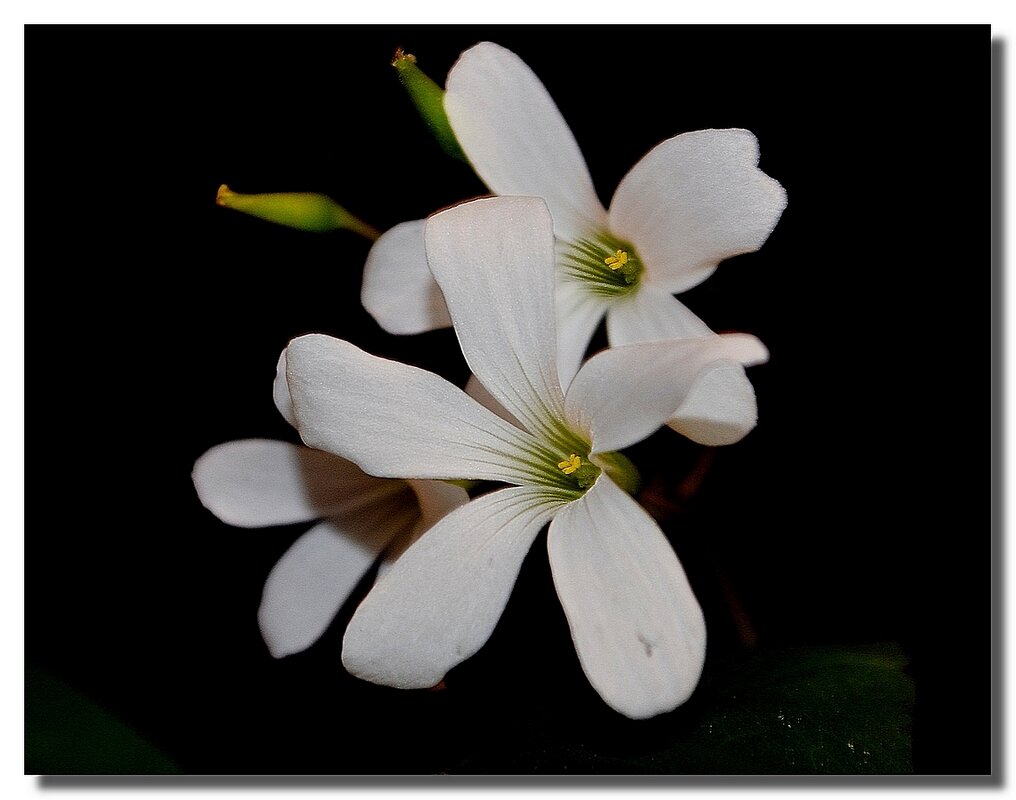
{"type": "Point", "coordinates": [818, 710]}
{"type": "Point", "coordinates": [68, 734]}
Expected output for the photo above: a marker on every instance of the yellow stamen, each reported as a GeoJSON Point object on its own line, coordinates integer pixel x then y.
{"type": "Point", "coordinates": [570, 464]}
{"type": "Point", "coordinates": [616, 261]}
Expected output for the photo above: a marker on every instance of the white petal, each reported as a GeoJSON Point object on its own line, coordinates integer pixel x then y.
{"type": "Point", "coordinates": [623, 394]}
{"type": "Point", "coordinates": [693, 201]}
{"type": "Point", "coordinates": [720, 408]}
{"type": "Point", "coordinates": [436, 500]}
{"type": "Point", "coordinates": [578, 313]}
{"type": "Point", "coordinates": [517, 140]}
{"type": "Point", "coordinates": [280, 392]}
{"type": "Point", "coordinates": [315, 576]}
{"type": "Point", "coordinates": [397, 421]}
{"type": "Point", "coordinates": [479, 393]}
{"type": "Point", "coordinates": [398, 289]}
{"type": "Point", "coordinates": [494, 260]}
{"type": "Point", "coordinates": [637, 627]}
{"type": "Point", "coordinates": [441, 600]}
{"type": "Point", "coordinates": [397, 546]}
{"type": "Point", "coordinates": [254, 483]}
{"type": "Point", "coordinates": [650, 314]}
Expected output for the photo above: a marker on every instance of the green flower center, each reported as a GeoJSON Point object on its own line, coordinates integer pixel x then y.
{"type": "Point", "coordinates": [580, 470]}
{"type": "Point", "coordinates": [606, 265]}
{"type": "Point", "coordinates": [567, 469]}
{"type": "Point", "coordinates": [559, 461]}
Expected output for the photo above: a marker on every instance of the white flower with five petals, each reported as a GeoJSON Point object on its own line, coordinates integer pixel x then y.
{"type": "Point", "coordinates": [637, 627]}
{"type": "Point", "coordinates": [257, 483]}
{"type": "Point", "coordinates": [691, 202]}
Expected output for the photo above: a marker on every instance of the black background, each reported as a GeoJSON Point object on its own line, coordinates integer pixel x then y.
{"type": "Point", "coordinates": [858, 511]}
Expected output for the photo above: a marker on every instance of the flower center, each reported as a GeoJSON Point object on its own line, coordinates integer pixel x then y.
{"type": "Point", "coordinates": [570, 464]}
{"type": "Point", "coordinates": [617, 261]}
{"type": "Point", "coordinates": [604, 264]}
{"type": "Point", "coordinates": [584, 473]}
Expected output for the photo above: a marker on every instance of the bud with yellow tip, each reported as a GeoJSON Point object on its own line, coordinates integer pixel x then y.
{"type": "Point", "coordinates": [305, 211]}
{"type": "Point", "coordinates": [428, 98]}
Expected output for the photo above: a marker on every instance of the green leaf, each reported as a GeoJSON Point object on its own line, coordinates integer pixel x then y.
{"type": "Point", "coordinates": [817, 710]}
{"type": "Point", "coordinates": [68, 734]}
{"type": "Point", "coordinates": [823, 710]}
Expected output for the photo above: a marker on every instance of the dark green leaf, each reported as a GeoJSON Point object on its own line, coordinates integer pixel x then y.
{"type": "Point", "coordinates": [817, 710]}
{"type": "Point", "coordinates": [68, 734]}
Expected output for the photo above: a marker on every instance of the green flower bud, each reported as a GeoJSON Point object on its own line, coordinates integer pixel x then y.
{"type": "Point", "coordinates": [428, 98]}
{"type": "Point", "coordinates": [302, 210]}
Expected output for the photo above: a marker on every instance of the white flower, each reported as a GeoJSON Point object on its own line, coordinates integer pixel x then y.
{"type": "Point", "coordinates": [691, 202]}
{"type": "Point", "coordinates": [637, 627]}
{"type": "Point", "coordinates": [256, 483]}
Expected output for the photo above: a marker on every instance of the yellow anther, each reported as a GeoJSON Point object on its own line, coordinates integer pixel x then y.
{"type": "Point", "coordinates": [616, 261]}
{"type": "Point", "coordinates": [570, 464]}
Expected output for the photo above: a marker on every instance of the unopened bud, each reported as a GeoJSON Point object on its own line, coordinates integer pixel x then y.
{"type": "Point", "coordinates": [428, 98]}
{"type": "Point", "coordinates": [305, 211]}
